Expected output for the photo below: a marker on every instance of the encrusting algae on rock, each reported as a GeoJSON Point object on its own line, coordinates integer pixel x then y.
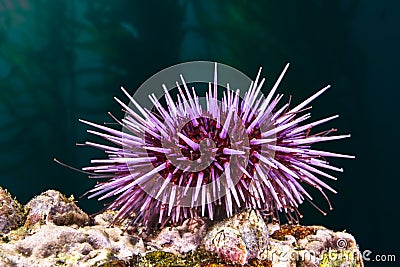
{"type": "Point", "coordinates": [12, 213]}
{"type": "Point", "coordinates": [52, 206]}
{"type": "Point", "coordinates": [67, 240]}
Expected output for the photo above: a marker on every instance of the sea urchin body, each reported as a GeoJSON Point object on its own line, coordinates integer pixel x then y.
{"type": "Point", "coordinates": [201, 156]}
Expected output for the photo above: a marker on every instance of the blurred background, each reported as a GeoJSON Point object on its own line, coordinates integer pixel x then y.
{"type": "Point", "coordinates": [65, 60]}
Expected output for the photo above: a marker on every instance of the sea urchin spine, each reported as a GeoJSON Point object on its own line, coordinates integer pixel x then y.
{"type": "Point", "coordinates": [187, 158]}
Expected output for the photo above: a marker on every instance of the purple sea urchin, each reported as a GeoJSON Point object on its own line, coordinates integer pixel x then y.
{"type": "Point", "coordinates": [188, 158]}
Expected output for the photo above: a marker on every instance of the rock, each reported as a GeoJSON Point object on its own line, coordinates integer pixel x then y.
{"type": "Point", "coordinates": [11, 212]}
{"type": "Point", "coordinates": [53, 207]}
{"type": "Point", "coordinates": [53, 245]}
{"type": "Point", "coordinates": [245, 239]}
{"type": "Point", "coordinates": [105, 219]}
{"type": "Point", "coordinates": [238, 239]}
{"type": "Point", "coordinates": [181, 239]}
{"type": "Point", "coordinates": [58, 233]}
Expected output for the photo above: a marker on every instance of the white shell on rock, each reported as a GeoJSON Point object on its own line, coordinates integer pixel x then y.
{"type": "Point", "coordinates": [238, 239]}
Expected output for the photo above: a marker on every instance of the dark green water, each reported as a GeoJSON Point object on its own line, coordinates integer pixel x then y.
{"type": "Point", "coordinates": [65, 60]}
